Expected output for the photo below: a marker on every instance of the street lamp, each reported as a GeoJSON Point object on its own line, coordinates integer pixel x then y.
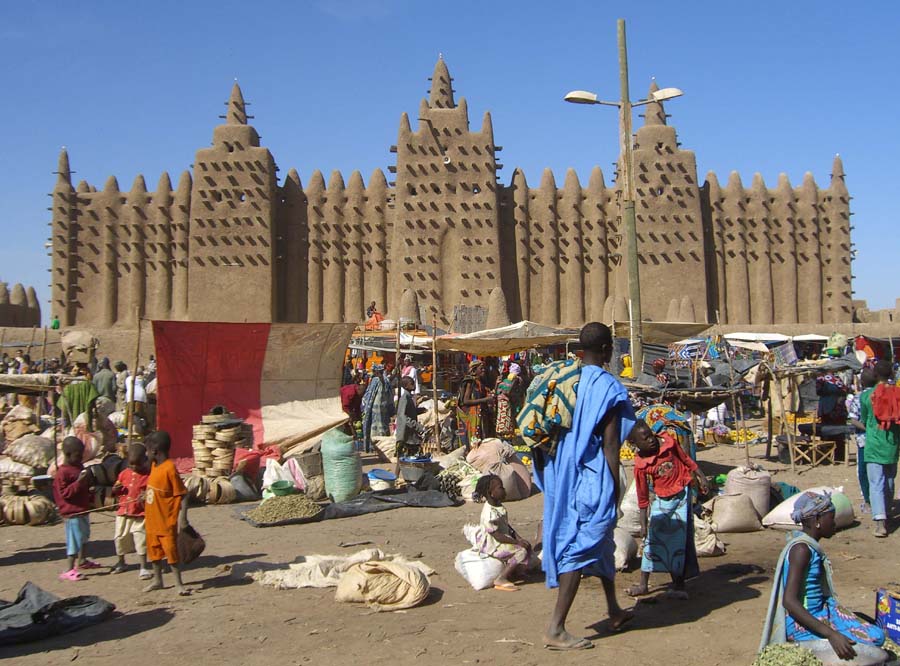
{"type": "Point", "coordinates": [625, 150]}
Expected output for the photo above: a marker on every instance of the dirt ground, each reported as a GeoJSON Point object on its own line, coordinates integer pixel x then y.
{"type": "Point", "coordinates": [231, 620]}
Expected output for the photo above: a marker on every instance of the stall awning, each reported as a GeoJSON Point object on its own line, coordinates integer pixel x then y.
{"type": "Point", "coordinates": [661, 332]}
{"type": "Point", "coordinates": [506, 339]}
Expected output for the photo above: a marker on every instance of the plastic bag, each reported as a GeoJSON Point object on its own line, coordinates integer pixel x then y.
{"type": "Point", "coordinates": [275, 472]}
{"type": "Point", "coordinates": [480, 571]}
{"type": "Point", "coordinates": [292, 467]}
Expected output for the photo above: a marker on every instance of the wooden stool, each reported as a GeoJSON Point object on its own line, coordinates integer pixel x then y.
{"type": "Point", "coordinates": [815, 452]}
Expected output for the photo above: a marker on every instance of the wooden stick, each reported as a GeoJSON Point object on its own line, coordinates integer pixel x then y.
{"type": "Point", "coordinates": [791, 442]}
{"type": "Point", "coordinates": [137, 357]}
{"type": "Point", "coordinates": [31, 342]}
{"type": "Point", "coordinates": [434, 391]}
{"type": "Point", "coordinates": [41, 395]}
{"type": "Point", "coordinates": [397, 361]}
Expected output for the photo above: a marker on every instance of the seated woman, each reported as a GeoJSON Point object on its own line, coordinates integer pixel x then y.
{"type": "Point", "coordinates": [803, 606]}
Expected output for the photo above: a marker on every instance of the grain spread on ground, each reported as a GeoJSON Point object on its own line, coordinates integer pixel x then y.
{"type": "Point", "coordinates": [785, 654]}
{"type": "Point", "coordinates": [288, 507]}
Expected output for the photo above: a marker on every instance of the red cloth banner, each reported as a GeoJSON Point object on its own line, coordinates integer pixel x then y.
{"type": "Point", "coordinates": [203, 364]}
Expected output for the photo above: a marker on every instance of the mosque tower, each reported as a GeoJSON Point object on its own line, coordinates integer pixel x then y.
{"type": "Point", "coordinates": [445, 245]}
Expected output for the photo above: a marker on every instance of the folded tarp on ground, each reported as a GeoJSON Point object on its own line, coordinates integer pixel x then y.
{"type": "Point", "coordinates": [36, 614]}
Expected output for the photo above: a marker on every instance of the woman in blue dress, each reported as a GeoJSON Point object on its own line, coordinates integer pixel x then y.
{"type": "Point", "coordinates": [803, 606]}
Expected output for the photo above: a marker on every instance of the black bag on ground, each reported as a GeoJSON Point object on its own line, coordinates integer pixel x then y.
{"type": "Point", "coordinates": [36, 614]}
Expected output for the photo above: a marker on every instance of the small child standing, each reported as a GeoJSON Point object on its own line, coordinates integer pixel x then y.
{"type": "Point", "coordinates": [165, 511]}
{"type": "Point", "coordinates": [661, 464]}
{"type": "Point", "coordinates": [497, 538]}
{"type": "Point", "coordinates": [72, 493]}
{"type": "Point", "coordinates": [130, 488]}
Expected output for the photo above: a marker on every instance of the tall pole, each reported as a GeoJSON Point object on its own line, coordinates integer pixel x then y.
{"type": "Point", "coordinates": [634, 280]}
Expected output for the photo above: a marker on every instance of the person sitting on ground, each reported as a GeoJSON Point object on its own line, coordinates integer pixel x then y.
{"type": "Point", "coordinates": [663, 466]}
{"type": "Point", "coordinates": [497, 538]}
{"type": "Point", "coordinates": [802, 606]}
{"type": "Point", "coordinates": [165, 511]}
{"type": "Point", "coordinates": [72, 494]}
{"type": "Point", "coordinates": [130, 488]}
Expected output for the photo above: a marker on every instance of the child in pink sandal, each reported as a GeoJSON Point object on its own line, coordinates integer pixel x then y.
{"type": "Point", "coordinates": [72, 492]}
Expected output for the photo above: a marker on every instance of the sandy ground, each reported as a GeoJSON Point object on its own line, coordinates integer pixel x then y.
{"type": "Point", "coordinates": [232, 620]}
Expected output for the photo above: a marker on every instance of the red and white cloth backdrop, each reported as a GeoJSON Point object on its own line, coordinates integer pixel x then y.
{"type": "Point", "coordinates": [283, 379]}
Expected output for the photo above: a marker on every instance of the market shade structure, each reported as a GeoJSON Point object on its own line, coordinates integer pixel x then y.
{"type": "Point", "coordinates": [283, 379]}
{"type": "Point", "coordinates": [661, 332]}
{"type": "Point", "coordinates": [506, 339]}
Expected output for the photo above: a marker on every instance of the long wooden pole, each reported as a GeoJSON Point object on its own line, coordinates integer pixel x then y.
{"type": "Point", "coordinates": [137, 357]}
{"type": "Point", "coordinates": [736, 404]}
{"type": "Point", "coordinates": [434, 391]}
{"type": "Point", "coordinates": [31, 342]}
{"type": "Point", "coordinates": [42, 395]}
{"type": "Point", "coordinates": [397, 361]}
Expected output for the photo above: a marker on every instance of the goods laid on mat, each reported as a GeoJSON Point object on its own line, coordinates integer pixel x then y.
{"type": "Point", "coordinates": [786, 654]}
{"type": "Point", "coordinates": [284, 510]}
{"type": "Point", "coordinates": [26, 510]}
{"type": "Point", "coordinates": [215, 439]}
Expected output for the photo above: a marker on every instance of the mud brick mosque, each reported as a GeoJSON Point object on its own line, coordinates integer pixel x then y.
{"type": "Point", "coordinates": [229, 242]}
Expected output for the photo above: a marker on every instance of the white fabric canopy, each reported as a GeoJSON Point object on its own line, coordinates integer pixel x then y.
{"type": "Point", "coordinates": [506, 339]}
{"type": "Point", "coordinates": [757, 337]}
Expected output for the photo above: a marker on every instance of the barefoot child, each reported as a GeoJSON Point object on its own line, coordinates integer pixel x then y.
{"type": "Point", "coordinates": [165, 511]}
{"type": "Point", "coordinates": [72, 493]}
{"type": "Point", "coordinates": [130, 488]}
{"type": "Point", "coordinates": [662, 464]}
{"type": "Point", "coordinates": [498, 539]}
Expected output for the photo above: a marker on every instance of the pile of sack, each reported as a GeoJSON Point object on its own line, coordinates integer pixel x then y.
{"type": "Point", "coordinates": [22, 459]}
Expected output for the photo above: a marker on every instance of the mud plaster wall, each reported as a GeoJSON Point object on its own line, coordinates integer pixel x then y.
{"type": "Point", "coordinates": [230, 243]}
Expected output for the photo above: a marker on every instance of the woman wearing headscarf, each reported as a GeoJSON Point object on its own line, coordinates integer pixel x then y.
{"type": "Point", "coordinates": [509, 401]}
{"type": "Point", "coordinates": [803, 606]}
{"type": "Point", "coordinates": [473, 405]}
{"type": "Point", "coordinates": [377, 407]}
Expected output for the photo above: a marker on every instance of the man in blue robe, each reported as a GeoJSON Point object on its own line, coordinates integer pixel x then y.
{"type": "Point", "coordinates": [580, 483]}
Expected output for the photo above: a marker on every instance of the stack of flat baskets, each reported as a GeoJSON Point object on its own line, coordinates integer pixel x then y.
{"type": "Point", "coordinates": [214, 442]}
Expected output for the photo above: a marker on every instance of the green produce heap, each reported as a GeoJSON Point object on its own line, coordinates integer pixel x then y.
{"type": "Point", "coordinates": [785, 654]}
{"type": "Point", "coordinates": [288, 507]}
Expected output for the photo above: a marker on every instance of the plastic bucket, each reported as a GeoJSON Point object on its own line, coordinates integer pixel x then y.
{"type": "Point", "coordinates": [381, 479]}
{"type": "Point", "coordinates": [282, 488]}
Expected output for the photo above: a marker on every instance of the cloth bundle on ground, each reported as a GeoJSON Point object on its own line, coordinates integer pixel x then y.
{"type": "Point", "coordinates": [549, 403]}
{"type": "Point", "coordinates": [382, 581]}
{"type": "Point", "coordinates": [629, 512]}
{"type": "Point", "coordinates": [494, 456]}
{"type": "Point", "coordinates": [383, 586]}
{"type": "Point", "coordinates": [626, 548]}
{"type": "Point", "coordinates": [886, 405]}
{"type": "Point", "coordinates": [19, 421]}
{"type": "Point", "coordinates": [733, 513]}
{"type": "Point", "coordinates": [36, 614]}
{"type": "Point", "coordinates": [754, 482]}
{"type": "Point", "coordinates": [779, 518]}
{"type": "Point", "coordinates": [706, 543]}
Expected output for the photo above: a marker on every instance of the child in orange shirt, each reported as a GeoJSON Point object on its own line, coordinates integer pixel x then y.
{"type": "Point", "coordinates": [663, 466]}
{"type": "Point", "coordinates": [131, 537]}
{"type": "Point", "coordinates": [165, 511]}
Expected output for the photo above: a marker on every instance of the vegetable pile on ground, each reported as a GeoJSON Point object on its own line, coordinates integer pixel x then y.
{"type": "Point", "coordinates": [286, 507]}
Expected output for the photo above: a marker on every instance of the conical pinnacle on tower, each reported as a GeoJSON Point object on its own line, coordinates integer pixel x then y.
{"type": "Point", "coordinates": [441, 94]}
{"type": "Point", "coordinates": [837, 176]}
{"type": "Point", "coordinates": [63, 171]}
{"type": "Point", "coordinates": [654, 113]}
{"type": "Point", "coordinates": [237, 111]}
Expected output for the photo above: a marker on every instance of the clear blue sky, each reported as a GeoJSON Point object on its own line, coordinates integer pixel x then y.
{"type": "Point", "coordinates": [134, 88]}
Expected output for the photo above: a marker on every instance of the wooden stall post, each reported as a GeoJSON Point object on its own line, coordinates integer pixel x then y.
{"type": "Point", "coordinates": [397, 361]}
{"type": "Point", "coordinates": [434, 391]}
{"type": "Point", "coordinates": [137, 357]}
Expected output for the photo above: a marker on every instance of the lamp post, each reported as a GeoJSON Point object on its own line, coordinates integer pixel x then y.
{"type": "Point", "coordinates": [625, 152]}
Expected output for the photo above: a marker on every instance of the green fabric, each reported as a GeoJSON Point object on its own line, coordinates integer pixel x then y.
{"type": "Point", "coordinates": [881, 445]}
{"type": "Point", "coordinates": [77, 399]}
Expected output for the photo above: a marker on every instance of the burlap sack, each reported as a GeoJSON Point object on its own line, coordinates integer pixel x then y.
{"type": "Point", "coordinates": [383, 586]}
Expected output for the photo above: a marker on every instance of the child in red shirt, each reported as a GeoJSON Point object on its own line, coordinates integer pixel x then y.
{"type": "Point", "coordinates": [661, 464]}
{"type": "Point", "coordinates": [130, 534]}
{"type": "Point", "coordinates": [72, 493]}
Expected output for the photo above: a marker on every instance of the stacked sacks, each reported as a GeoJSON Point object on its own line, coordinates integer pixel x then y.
{"type": "Point", "coordinates": [18, 422]}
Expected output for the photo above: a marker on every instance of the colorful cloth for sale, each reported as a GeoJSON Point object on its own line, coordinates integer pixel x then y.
{"type": "Point", "coordinates": [550, 403]}
{"type": "Point", "coordinates": [377, 408]}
